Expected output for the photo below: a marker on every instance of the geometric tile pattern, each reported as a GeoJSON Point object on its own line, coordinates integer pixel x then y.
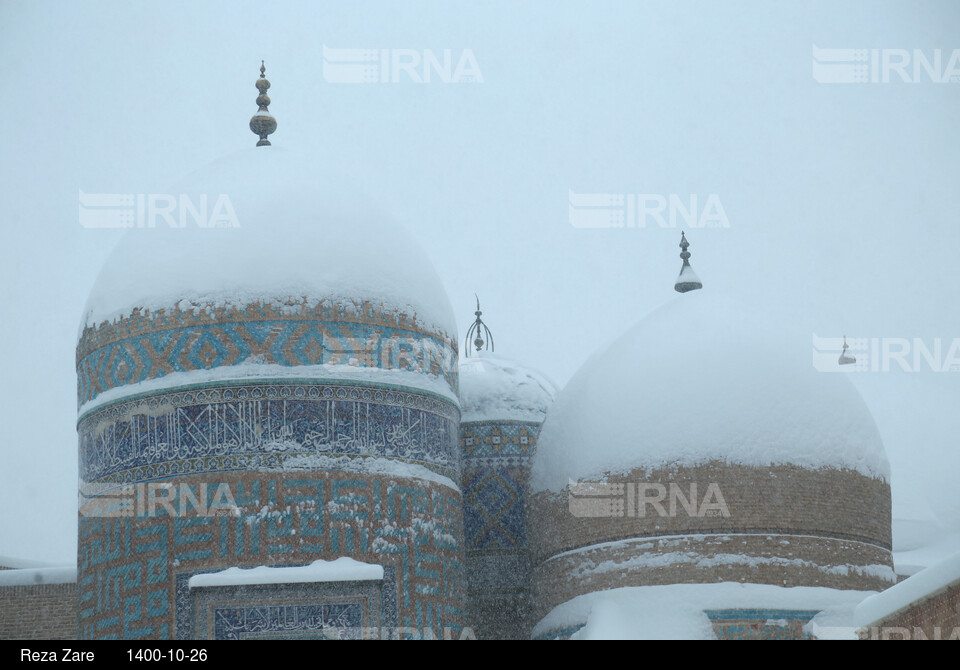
{"type": "Point", "coordinates": [760, 624]}
{"type": "Point", "coordinates": [149, 345]}
{"type": "Point", "coordinates": [244, 426]}
{"type": "Point", "coordinates": [133, 570]}
{"type": "Point", "coordinates": [496, 465]}
{"type": "Point", "coordinates": [499, 443]}
{"type": "Point", "coordinates": [497, 456]}
{"type": "Point", "coordinates": [494, 510]}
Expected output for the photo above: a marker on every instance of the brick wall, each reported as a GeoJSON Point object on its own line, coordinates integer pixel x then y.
{"type": "Point", "coordinates": [934, 617]}
{"type": "Point", "coordinates": [38, 612]}
{"type": "Point", "coordinates": [786, 525]}
{"type": "Point", "coordinates": [841, 504]}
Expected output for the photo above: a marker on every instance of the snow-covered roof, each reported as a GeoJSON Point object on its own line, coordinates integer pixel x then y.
{"type": "Point", "coordinates": [702, 379]}
{"type": "Point", "coordinates": [919, 544]}
{"type": "Point", "coordinates": [920, 586]}
{"type": "Point", "coordinates": [677, 611]}
{"type": "Point", "coordinates": [343, 569]}
{"type": "Point", "coordinates": [301, 232]}
{"type": "Point", "coordinates": [33, 576]}
{"type": "Point", "coordinates": [493, 387]}
{"type": "Point", "coordinates": [19, 562]}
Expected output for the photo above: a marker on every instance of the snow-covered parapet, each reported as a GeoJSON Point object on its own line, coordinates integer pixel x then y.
{"type": "Point", "coordinates": [343, 569]}
{"type": "Point", "coordinates": [493, 387]}
{"type": "Point", "coordinates": [678, 611]}
{"type": "Point", "coordinates": [35, 576]}
{"type": "Point", "coordinates": [919, 587]}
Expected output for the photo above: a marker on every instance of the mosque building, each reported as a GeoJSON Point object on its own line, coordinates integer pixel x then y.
{"type": "Point", "coordinates": [285, 441]}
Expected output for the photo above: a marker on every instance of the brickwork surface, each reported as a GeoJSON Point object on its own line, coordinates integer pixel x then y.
{"type": "Point", "coordinates": [786, 525]}
{"type": "Point", "coordinates": [934, 617]}
{"type": "Point", "coordinates": [38, 612]}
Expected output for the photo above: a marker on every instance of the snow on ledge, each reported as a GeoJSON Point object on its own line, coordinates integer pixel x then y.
{"type": "Point", "coordinates": [35, 576]}
{"type": "Point", "coordinates": [900, 596]}
{"type": "Point", "coordinates": [365, 464]}
{"type": "Point", "coordinates": [343, 569]}
{"type": "Point", "coordinates": [252, 372]}
{"type": "Point", "coordinates": [676, 611]}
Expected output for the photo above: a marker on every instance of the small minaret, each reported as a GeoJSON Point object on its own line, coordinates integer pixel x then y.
{"type": "Point", "coordinates": [478, 330]}
{"type": "Point", "coordinates": [688, 279]}
{"type": "Point", "coordinates": [844, 358]}
{"type": "Point", "coordinates": [262, 123]}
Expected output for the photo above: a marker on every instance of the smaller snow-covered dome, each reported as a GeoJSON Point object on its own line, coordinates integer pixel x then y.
{"type": "Point", "coordinates": [494, 387]}
{"type": "Point", "coordinates": [703, 378]}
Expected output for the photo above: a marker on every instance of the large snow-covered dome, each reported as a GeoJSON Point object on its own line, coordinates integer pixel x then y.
{"type": "Point", "coordinates": [276, 226]}
{"type": "Point", "coordinates": [703, 379]}
{"type": "Point", "coordinates": [495, 387]}
{"type": "Point", "coordinates": [703, 447]}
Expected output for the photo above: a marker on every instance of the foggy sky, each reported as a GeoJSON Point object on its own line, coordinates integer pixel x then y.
{"type": "Point", "coordinates": [840, 198]}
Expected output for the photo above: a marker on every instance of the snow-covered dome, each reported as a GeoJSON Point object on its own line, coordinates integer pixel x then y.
{"type": "Point", "coordinates": [493, 387]}
{"type": "Point", "coordinates": [275, 226]}
{"type": "Point", "coordinates": [702, 379]}
{"type": "Point", "coordinates": [264, 264]}
{"type": "Point", "coordinates": [703, 447]}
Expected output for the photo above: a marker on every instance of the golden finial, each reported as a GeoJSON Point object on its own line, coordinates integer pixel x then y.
{"type": "Point", "coordinates": [263, 123]}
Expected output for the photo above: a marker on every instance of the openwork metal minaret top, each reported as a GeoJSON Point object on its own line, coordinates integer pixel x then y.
{"type": "Point", "coordinates": [478, 330]}
{"type": "Point", "coordinates": [844, 358]}
{"type": "Point", "coordinates": [688, 279]}
{"type": "Point", "coordinates": [262, 123]}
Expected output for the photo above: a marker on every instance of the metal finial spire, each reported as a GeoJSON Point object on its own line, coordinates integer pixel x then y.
{"type": "Point", "coordinates": [263, 123]}
{"type": "Point", "coordinates": [688, 279]}
{"type": "Point", "coordinates": [478, 330]}
{"type": "Point", "coordinates": [844, 359]}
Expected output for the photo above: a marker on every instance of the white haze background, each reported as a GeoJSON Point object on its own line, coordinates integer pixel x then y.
{"type": "Point", "coordinates": [841, 198]}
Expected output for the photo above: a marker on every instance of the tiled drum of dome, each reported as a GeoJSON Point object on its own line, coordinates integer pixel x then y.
{"type": "Point", "coordinates": [211, 473]}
